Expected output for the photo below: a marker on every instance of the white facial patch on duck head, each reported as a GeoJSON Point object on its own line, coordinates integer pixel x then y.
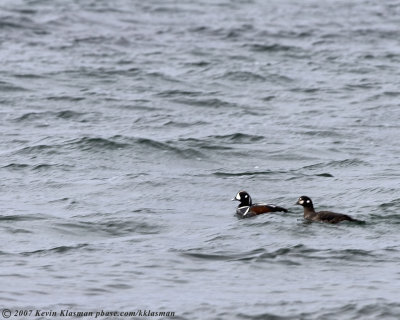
{"type": "Point", "coordinates": [238, 196]}
{"type": "Point", "coordinates": [308, 201]}
{"type": "Point", "coordinates": [301, 201]}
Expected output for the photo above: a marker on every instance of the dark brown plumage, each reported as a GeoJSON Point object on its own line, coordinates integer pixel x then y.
{"type": "Point", "coordinates": [247, 209]}
{"type": "Point", "coordinates": [322, 216]}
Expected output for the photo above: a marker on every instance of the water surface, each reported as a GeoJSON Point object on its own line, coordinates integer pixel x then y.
{"type": "Point", "coordinates": [128, 126]}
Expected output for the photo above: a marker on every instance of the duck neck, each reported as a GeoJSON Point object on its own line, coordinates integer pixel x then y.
{"type": "Point", "coordinates": [245, 203]}
{"type": "Point", "coordinates": [309, 212]}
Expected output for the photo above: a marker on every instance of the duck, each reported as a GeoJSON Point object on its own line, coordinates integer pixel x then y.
{"type": "Point", "coordinates": [247, 209]}
{"type": "Point", "coordinates": [322, 216]}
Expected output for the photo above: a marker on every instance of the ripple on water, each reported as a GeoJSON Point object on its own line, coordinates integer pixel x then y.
{"type": "Point", "coordinates": [65, 114]}
{"type": "Point", "coordinates": [9, 87]}
{"type": "Point", "coordinates": [114, 143]}
{"type": "Point", "coordinates": [339, 164]}
{"type": "Point", "coordinates": [272, 47]}
{"type": "Point", "coordinates": [109, 227]}
{"type": "Point", "coordinates": [246, 173]}
{"type": "Point", "coordinates": [207, 103]}
{"type": "Point", "coordinates": [23, 217]}
{"type": "Point", "coordinates": [243, 76]}
{"type": "Point", "coordinates": [109, 105]}
{"type": "Point", "coordinates": [291, 255]}
{"type": "Point", "coordinates": [55, 250]}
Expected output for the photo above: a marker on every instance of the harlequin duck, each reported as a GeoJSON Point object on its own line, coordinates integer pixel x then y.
{"type": "Point", "coordinates": [323, 216]}
{"type": "Point", "coordinates": [247, 209]}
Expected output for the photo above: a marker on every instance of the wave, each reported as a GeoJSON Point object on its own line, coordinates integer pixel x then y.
{"type": "Point", "coordinates": [246, 173]}
{"type": "Point", "coordinates": [28, 76]}
{"type": "Point", "coordinates": [40, 149]}
{"type": "Point", "coordinates": [33, 167]}
{"type": "Point", "coordinates": [324, 174]}
{"type": "Point", "coordinates": [197, 254]}
{"type": "Point", "coordinates": [268, 316]}
{"type": "Point", "coordinates": [59, 249]}
{"type": "Point", "coordinates": [243, 76]}
{"type": "Point", "coordinates": [23, 217]}
{"type": "Point", "coordinates": [83, 144]}
{"type": "Point", "coordinates": [232, 138]}
{"type": "Point", "coordinates": [389, 215]}
{"type": "Point", "coordinates": [13, 22]}
{"type": "Point", "coordinates": [115, 228]}
{"type": "Point", "coordinates": [178, 93]}
{"type": "Point", "coordinates": [338, 164]}
{"type": "Point", "coordinates": [238, 137]}
{"type": "Point", "coordinates": [182, 124]}
{"type": "Point", "coordinates": [16, 166]}
{"type": "Point", "coordinates": [292, 255]}
{"type": "Point", "coordinates": [65, 98]}
{"type": "Point", "coordinates": [221, 142]}
{"type": "Point", "coordinates": [323, 133]}
{"type": "Point", "coordinates": [114, 143]}
{"type": "Point", "coordinates": [206, 102]}
{"type": "Point", "coordinates": [358, 310]}
{"type": "Point", "coordinates": [65, 114]}
{"type": "Point", "coordinates": [7, 87]}
{"type": "Point", "coordinates": [274, 47]}
{"type": "Point", "coordinates": [395, 204]}
{"type": "Point", "coordinates": [230, 33]}
{"type": "Point", "coordinates": [168, 146]}
{"type": "Point", "coordinates": [88, 143]}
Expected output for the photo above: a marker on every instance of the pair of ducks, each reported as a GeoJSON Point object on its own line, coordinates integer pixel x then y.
{"type": "Point", "coordinates": [247, 209]}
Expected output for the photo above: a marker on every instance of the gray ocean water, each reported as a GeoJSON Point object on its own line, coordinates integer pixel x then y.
{"type": "Point", "coordinates": [127, 126]}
